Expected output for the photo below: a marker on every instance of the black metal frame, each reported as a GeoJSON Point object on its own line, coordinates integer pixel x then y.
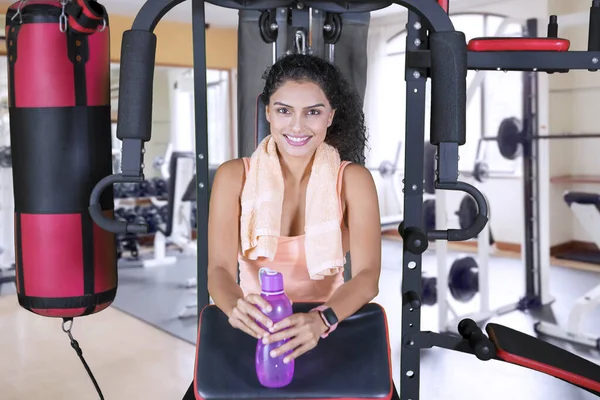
{"type": "Point", "coordinates": [418, 64]}
{"type": "Point", "coordinates": [426, 19]}
{"type": "Point", "coordinates": [531, 244]}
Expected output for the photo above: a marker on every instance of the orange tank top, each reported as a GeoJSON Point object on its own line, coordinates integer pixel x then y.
{"type": "Point", "coordinates": [290, 261]}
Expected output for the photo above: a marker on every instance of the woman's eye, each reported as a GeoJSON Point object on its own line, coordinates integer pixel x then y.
{"type": "Point", "coordinates": [282, 110]}
{"type": "Point", "coordinates": [314, 112]}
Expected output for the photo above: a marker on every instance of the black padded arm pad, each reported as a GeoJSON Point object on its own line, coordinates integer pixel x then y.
{"type": "Point", "coordinates": [136, 82]}
{"type": "Point", "coordinates": [352, 363]}
{"type": "Point", "coordinates": [448, 87]}
{"type": "Point", "coordinates": [582, 198]}
{"type": "Point", "coordinates": [527, 351]}
{"type": "Point", "coordinates": [263, 128]}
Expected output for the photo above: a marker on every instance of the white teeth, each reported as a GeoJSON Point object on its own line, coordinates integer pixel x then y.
{"type": "Point", "coordinates": [297, 139]}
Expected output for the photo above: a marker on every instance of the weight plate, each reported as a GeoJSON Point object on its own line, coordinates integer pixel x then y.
{"type": "Point", "coordinates": [509, 138]}
{"type": "Point", "coordinates": [463, 279]}
{"type": "Point", "coordinates": [429, 215]}
{"type": "Point", "coordinates": [481, 172]}
{"type": "Point", "coordinates": [467, 212]}
{"type": "Point", "coordinates": [332, 36]}
{"type": "Point", "coordinates": [428, 290]}
{"type": "Point", "coordinates": [267, 34]}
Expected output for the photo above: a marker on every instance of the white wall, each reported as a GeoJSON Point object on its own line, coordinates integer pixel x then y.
{"type": "Point", "coordinates": [572, 104]}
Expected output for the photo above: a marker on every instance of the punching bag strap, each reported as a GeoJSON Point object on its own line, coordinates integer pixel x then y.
{"type": "Point", "coordinates": [85, 16]}
{"type": "Point", "coordinates": [66, 327]}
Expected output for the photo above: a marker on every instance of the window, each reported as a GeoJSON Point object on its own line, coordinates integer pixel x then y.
{"type": "Point", "coordinates": [491, 96]}
{"type": "Point", "coordinates": [221, 140]}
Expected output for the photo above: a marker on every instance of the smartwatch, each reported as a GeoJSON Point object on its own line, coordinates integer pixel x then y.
{"type": "Point", "coordinates": [329, 318]}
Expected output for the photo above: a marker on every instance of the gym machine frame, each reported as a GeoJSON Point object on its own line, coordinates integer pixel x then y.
{"type": "Point", "coordinates": [440, 54]}
{"type": "Point", "coordinates": [536, 265]}
{"type": "Point", "coordinates": [420, 64]}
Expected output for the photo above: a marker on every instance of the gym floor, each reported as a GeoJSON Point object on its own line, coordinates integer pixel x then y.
{"type": "Point", "coordinates": [139, 348]}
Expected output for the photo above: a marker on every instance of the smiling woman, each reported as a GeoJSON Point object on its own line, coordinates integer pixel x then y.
{"type": "Point", "coordinates": [298, 206]}
{"type": "Point", "coordinates": [293, 124]}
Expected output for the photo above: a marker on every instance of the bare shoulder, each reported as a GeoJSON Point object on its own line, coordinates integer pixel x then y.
{"type": "Point", "coordinates": [356, 178]}
{"type": "Point", "coordinates": [358, 188]}
{"type": "Point", "coordinates": [229, 176]}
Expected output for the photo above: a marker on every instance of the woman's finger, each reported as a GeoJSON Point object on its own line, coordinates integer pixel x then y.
{"type": "Point", "coordinates": [249, 322]}
{"type": "Point", "coordinates": [236, 323]}
{"type": "Point", "coordinates": [298, 352]}
{"type": "Point", "coordinates": [259, 301]}
{"type": "Point", "coordinates": [249, 331]}
{"type": "Point", "coordinates": [255, 313]}
{"type": "Point", "coordinates": [287, 347]}
{"type": "Point", "coordinates": [293, 320]}
{"type": "Point", "coordinates": [284, 334]}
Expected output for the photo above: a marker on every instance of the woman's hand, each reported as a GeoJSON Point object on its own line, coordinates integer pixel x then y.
{"type": "Point", "coordinates": [245, 314]}
{"type": "Point", "coordinates": [304, 330]}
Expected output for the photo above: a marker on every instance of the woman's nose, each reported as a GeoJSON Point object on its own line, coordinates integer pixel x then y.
{"type": "Point", "coordinates": [297, 124]}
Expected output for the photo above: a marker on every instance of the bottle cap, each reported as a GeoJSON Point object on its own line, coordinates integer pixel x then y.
{"type": "Point", "coordinates": [270, 281]}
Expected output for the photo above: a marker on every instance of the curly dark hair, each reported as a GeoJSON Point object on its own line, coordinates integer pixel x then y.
{"type": "Point", "coordinates": [347, 133]}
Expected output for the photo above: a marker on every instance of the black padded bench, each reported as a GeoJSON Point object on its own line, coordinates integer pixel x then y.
{"type": "Point", "coordinates": [354, 362]}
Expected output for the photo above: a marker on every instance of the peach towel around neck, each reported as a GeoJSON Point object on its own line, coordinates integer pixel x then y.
{"type": "Point", "coordinates": [262, 201]}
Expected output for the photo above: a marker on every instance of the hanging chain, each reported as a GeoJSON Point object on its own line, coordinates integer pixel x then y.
{"type": "Point", "coordinates": [19, 13]}
{"type": "Point", "coordinates": [66, 327]}
{"type": "Point", "coordinates": [62, 20]}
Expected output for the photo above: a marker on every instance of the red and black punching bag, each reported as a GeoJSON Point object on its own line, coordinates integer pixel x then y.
{"type": "Point", "coordinates": [60, 129]}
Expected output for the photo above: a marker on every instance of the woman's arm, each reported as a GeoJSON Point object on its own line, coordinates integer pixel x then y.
{"type": "Point", "coordinates": [223, 247]}
{"type": "Point", "coordinates": [364, 224]}
{"type": "Point", "coordinates": [223, 235]}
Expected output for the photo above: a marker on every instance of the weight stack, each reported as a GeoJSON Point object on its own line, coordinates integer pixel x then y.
{"type": "Point", "coordinates": [255, 56]}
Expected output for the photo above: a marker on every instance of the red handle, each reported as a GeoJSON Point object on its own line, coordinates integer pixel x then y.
{"type": "Point", "coordinates": [444, 4]}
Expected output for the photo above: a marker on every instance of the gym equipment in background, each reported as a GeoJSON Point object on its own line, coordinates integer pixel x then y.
{"type": "Point", "coordinates": [467, 276]}
{"type": "Point", "coordinates": [158, 202]}
{"type": "Point", "coordinates": [511, 137]}
{"type": "Point", "coordinates": [586, 207]}
{"type": "Point", "coordinates": [390, 175]}
{"type": "Point", "coordinates": [520, 138]}
{"type": "Point", "coordinates": [463, 283]}
{"type": "Point", "coordinates": [60, 137]}
{"type": "Point", "coordinates": [440, 53]}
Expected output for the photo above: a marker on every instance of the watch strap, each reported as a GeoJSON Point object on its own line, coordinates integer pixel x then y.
{"type": "Point", "coordinates": [320, 309]}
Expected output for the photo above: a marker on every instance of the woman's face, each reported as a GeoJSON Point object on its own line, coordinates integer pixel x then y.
{"type": "Point", "coordinates": [299, 114]}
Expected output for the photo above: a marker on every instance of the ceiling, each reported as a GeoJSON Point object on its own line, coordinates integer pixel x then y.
{"type": "Point", "coordinates": [215, 15]}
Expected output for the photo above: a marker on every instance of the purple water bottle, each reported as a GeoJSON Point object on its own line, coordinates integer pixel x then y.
{"type": "Point", "coordinates": [272, 372]}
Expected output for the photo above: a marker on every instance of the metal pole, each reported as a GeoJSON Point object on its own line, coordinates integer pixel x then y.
{"type": "Point", "coordinates": [530, 212]}
{"type": "Point", "coordinates": [416, 39]}
{"type": "Point", "coordinates": [201, 128]}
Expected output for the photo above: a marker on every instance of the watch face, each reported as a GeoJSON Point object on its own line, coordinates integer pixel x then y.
{"type": "Point", "coordinates": [330, 316]}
